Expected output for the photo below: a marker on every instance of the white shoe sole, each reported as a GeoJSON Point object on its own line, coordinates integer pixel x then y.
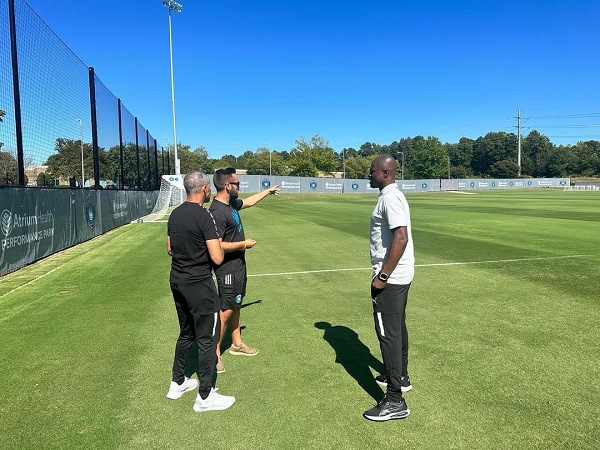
{"type": "Point", "coordinates": [221, 407]}
{"type": "Point", "coordinates": [174, 395]}
{"type": "Point", "coordinates": [390, 417]}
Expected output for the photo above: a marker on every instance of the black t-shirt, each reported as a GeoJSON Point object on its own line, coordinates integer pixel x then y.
{"type": "Point", "coordinates": [230, 228]}
{"type": "Point", "coordinates": [189, 227]}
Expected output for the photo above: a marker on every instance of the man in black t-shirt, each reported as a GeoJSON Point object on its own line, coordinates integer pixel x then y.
{"type": "Point", "coordinates": [193, 243]}
{"type": "Point", "coordinates": [231, 274]}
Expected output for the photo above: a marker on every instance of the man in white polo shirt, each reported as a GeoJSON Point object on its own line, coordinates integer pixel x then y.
{"type": "Point", "coordinates": [393, 261]}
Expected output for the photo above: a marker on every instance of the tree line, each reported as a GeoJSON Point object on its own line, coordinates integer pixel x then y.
{"type": "Point", "coordinates": [491, 156]}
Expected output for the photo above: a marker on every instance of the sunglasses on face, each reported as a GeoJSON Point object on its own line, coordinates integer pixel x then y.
{"type": "Point", "coordinates": [235, 183]}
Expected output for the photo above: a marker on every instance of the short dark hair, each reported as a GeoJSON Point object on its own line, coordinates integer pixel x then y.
{"type": "Point", "coordinates": [222, 177]}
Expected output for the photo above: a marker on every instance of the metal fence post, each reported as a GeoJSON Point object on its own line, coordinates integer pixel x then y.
{"type": "Point", "coordinates": [137, 155]}
{"type": "Point", "coordinates": [94, 128]}
{"type": "Point", "coordinates": [121, 164]}
{"type": "Point", "coordinates": [16, 91]}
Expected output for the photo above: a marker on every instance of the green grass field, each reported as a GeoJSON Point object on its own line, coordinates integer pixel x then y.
{"type": "Point", "coordinates": [503, 318]}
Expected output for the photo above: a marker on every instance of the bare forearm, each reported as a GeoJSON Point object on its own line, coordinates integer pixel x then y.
{"type": "Point", "coordinates": [229, 247]}
{"type": "Point", "coordinates": [254, 199]}
{"type": "Point", "coordinates": [215, 251]}
{"type": "Point", "coordinates": [397, 247]}
{"type": "Point", "coordinates": [394, 254]}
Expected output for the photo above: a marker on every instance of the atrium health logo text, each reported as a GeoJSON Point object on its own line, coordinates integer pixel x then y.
{"type": "Point", "coordinates": [22, 229]}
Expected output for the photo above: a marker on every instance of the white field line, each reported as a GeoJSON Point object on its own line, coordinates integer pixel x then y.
{"type": "Point", "coordinates": [467, 263]}
{"type": "Point", "coordinates": [341, 270]}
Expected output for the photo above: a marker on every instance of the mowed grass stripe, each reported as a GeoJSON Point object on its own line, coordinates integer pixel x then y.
{"type": "Point", "coordinates": [75, 344]}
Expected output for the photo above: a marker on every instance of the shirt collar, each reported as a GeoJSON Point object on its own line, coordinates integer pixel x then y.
{"type": "Point", "coordinates": [389, 188]}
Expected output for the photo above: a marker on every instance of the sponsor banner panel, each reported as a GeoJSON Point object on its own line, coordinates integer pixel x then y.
{"type": "Point", "coordinates": [512, 183]}
{"type": "Point", "coordinates": [35, 223]}
{"type": "Point", "coordinates": [358, 187]}
{"type": "Point", "coordinates": [256, 183]}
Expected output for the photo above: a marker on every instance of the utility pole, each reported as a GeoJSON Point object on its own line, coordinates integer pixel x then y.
{"type": "Point", "coordinates": [519, 140]}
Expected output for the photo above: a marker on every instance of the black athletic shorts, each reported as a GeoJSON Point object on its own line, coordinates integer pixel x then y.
{"type": "Point", "coordinates": [232, 289]}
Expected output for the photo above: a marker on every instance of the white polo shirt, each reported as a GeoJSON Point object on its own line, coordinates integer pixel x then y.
{"type": "Point", "coordinates": [391, 211]}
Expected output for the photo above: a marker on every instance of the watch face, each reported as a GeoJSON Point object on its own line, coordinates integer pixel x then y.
{"type": "Point", "coordinates": [382, 277]}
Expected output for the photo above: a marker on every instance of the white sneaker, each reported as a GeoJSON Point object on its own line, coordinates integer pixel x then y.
{"type": "Point", "coordinates": [214, 402]}
{"type": "Point", "coordinates": [177, 390]}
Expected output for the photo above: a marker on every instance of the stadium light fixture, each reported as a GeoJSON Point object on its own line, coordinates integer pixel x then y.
{"type": "Point", "coordinates": [81, 143]}
{"type": "Point", "coordinates": [172, 5]}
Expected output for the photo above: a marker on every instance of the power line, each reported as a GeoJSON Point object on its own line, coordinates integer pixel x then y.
{"type": "Point", "coordinates": [567, 116]}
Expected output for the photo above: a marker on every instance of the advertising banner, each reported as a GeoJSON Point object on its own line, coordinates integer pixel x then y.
{"type": "Point", "coordinates": [35, 223]}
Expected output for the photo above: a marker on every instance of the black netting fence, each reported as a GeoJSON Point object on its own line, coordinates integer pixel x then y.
{"type": "Point", "coordinates": [60, 125]}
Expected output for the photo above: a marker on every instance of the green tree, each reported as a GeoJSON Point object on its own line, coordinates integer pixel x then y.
{"type": "Point", "coordinates": [194, 160]}
{"type": "Point", "coordinates": [560, 162]}
{"type": "Point", "coordinates": [536, 153]}
{"type": "Point", "coordinates": [460, 172]}
{"type": "Point", "coordinates": [504, 169]}
{"type": "Point", "coordinates": [259, 163]}
{"type": "Point", "coordinates": [357, 167]}
{"type": "Point", "coordinates": [312, 158]}
{"type": "Point", "coordinates": [587, 158]}
{"type": "Point", "coordinates": [9, 170]}
{"type": "Point", "coordinates": [429, 159]}
{"type": "Point", "coordinates": [44, 179]}
{"type": "Point", "coordinates": [264, 161]}
{"type": "Point", "coordinates": [66, 162]}
{"type": "Point", "coordinates": [493, 147]}
{"type": "Point", "coordinates": [370, 149]}
{"type": "Point", "coordinates": [460, 155]}
{"type": "Point", "coordinates": [225, 162]}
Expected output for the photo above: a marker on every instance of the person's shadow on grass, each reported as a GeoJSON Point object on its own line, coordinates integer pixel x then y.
{"type": "Point", "coordinates": [354, 356]}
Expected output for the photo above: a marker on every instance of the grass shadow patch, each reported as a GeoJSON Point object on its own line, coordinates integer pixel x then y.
{"type": "Point", "coordinates": [354, 356]}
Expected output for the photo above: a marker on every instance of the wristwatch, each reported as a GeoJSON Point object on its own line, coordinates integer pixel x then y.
{"type": "Point", "coordinates": [383, 276]}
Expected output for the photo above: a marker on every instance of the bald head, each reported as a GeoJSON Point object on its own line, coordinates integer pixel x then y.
{"type": "Point", "coordinates": [383, 171]}
{"type": "Point", "coordinates": [386, 162]}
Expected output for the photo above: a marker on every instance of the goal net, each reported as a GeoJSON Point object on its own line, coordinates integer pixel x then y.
{"type": "Point", "coordinates": [171, 195]}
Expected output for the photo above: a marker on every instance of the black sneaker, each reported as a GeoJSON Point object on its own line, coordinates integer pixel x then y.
{"type": "Point", "coordinates": [405, 385]}
{"type": "Point", "coordinates": [387, 410]}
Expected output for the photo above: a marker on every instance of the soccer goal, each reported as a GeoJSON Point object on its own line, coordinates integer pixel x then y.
{"type": "Point", "coordinates": [171, 195]}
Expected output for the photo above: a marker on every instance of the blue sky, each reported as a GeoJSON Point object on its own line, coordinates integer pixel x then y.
{"type": "Point", "coordinates": [263, 73]}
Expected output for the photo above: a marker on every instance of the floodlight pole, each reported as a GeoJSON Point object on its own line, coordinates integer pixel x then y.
{"type": "Point", "coordinates": [81, 142]}
{"type": "Point", "coordinates": [172, 5]}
